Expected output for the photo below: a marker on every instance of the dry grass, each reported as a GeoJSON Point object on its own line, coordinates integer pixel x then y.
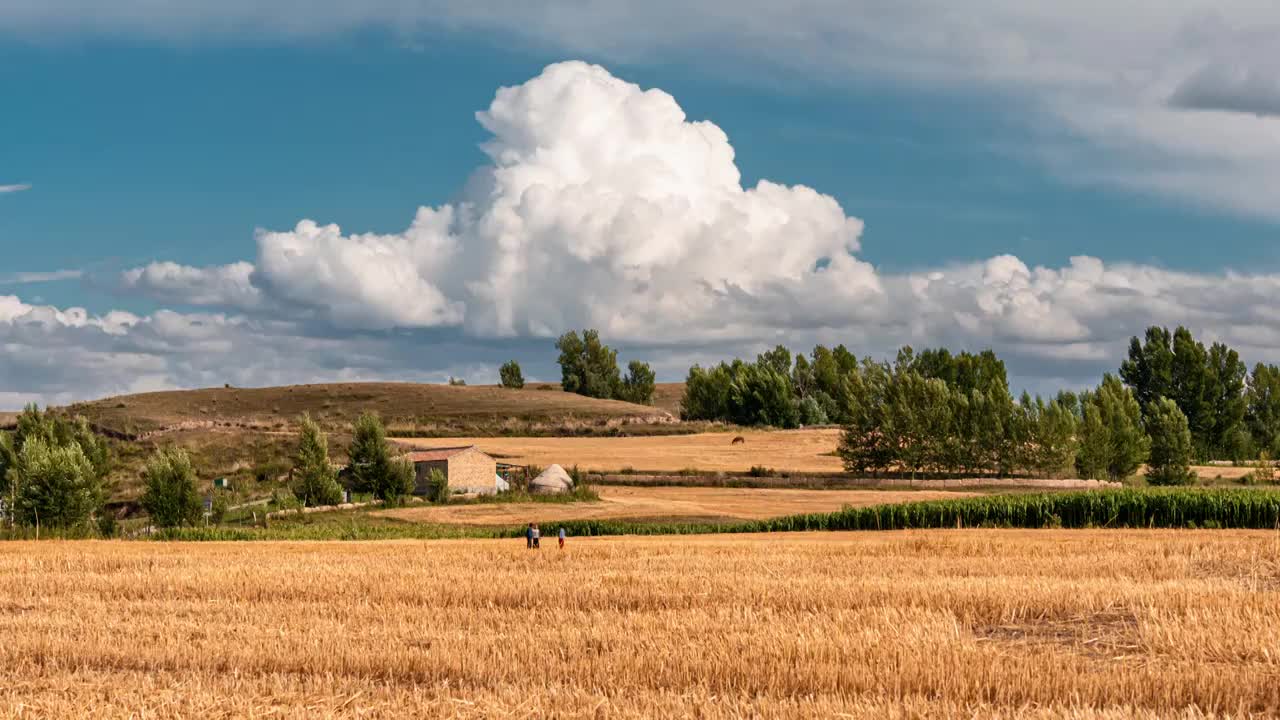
{"type": "Point", "coordinates": [792, 451]}
{"type": "Point", "coordinates": [797, 451]}
{"type": "Point", "coordinates": [667, 396]}
{"type": "Point", "coordinates": [925, 624]}
{"type": "Point", "coordinates": [685, 503]}
{"type": "Point", "coordinates": [340, 403]}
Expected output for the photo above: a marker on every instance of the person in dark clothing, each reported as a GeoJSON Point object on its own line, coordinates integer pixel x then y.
{"type": "Point", "coordinates": [528, 537]}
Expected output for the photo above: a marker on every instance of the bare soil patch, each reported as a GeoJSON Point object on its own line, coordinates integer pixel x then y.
{"type": "Point", "coordinates": [644, 503]}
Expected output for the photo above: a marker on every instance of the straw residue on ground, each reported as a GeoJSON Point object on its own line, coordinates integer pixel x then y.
{"type": "Point", "coordinates": [1080, 624]}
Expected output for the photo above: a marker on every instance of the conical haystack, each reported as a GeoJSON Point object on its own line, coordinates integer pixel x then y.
{"type": "Point", "coordinates": [552, 480]}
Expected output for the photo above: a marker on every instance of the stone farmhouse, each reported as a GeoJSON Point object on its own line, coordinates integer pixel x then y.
{"type": "Point", "coordinates": [470, 471]}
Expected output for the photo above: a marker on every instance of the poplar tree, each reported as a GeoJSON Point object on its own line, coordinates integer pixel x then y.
{"type": "Point", "coordinates": [314, 480]}
{"type": "Point", "coordinates": [1170, 460]}
{"type": "Point", "coordinates": [1113, 443]}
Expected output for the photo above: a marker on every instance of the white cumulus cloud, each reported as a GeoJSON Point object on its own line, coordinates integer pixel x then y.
{"type": "Point", "coordinates": [225, 285]}
{"type": "Point", "coordinates": [603, 205]}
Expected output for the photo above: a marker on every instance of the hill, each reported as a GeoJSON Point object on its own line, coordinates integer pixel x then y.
{"type": "Point", "coordinates": [406, 408]}
{"type": "Point", "coordinates": [247, 434]}
{"type": "Point", "coordinates": [667, 396]}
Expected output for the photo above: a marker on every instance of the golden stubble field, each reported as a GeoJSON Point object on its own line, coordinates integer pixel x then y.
{"type": "Point", "coordinates": [1079, 624]}
{"type": "Point", "coordinates": [663, 502]}
{"type": "Point", "coordinates": [793, 451]}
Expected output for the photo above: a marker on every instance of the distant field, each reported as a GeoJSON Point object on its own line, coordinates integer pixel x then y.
{"type": "Point", "coordinates": [982, 623]}
{"type": "Point", "coordinates": [676, 503]}
{"type": "Point", "coordinates": [785, 451]}
{"type": "Point", "coordinates": [400, 405]}
{"type": "Point", "coordinates": [796, 451]}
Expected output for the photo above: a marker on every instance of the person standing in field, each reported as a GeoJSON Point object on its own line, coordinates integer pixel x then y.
{"type": "Point", "coordinates": [537, 537]}
{"type": "Point", "coordinates": [562, 537]}
{"type": "Point", "coordinates": [528, 537]}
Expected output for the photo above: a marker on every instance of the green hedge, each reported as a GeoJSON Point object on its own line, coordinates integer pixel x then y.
{"type": "Point", "coordinates": [1129, 508]}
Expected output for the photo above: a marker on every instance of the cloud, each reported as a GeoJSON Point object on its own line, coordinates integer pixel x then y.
{"type": "Point", "coordinates": [603, 205]}
{"type": "Point", "coordinates": [4, 189]}
{"type": "Point", "coordinates": [226, 285]}
{"type": "Point", "coordinates": [1241, 89]}
{"type": "Point", "coordinates": [24, 278]}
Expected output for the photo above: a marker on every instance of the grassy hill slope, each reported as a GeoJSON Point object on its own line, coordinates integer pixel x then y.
{"type": "Point", "coordinates": [405, 407]}
{"type": "Point", "coordinates": [247, 434]}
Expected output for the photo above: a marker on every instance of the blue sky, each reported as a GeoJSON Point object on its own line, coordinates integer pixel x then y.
{"type": "Point", "coordinates": [146, 140]}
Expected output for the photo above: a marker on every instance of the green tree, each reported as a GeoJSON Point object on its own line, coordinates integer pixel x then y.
{"type": "Point", "coordinates": [400, 482]}
{"type": "Point", "coordinates": [1207, 385]}
{"type": "Point", "coordinates": [706, 393]}
{"type": "Point", "coordinates": [372, 468]}
{"type": "Point", "coordinates": [777, 359]}
{"type": "Point", "coordinates": [1149, 369]}
{"type": "Point", "coordinates": [510, 375]}
{"type": "Point", "coordinates": [1191, 388]}
{"type": "Point", "coordinates": [864, 446]}
{"type": "Point", "coordinates": [1170, 461]}
{"type": "Point", "coordinates": [637, 386]}
{"type": "Point", "coordinates": [314, 480]}
{"type": "Point", "coordinates": [54, 433]}
{"type": "Point", "coordinates": [760, 395]}
{"type": "Point", "coordinates": [1053, 441]}
{"type": "Point", "coordinates": [918, 421]}
{"type": "Point", "coordinates": [170, 496]}
{"type": "Point", "coordinates": [811, 412]}
{"type": "Point", "coordinates": [56, 485]}
{"type": "Point", "coordinates": [369, 460]}
{"type": "Point", "coordinates": [1228, 433]}
{"type": "Point", "coordinates": [588, 366]}
{"type": "Point", "coordinates": [830, 372]}
{"type": "Point", "coordinates": [1262, 414]}
{"type": "Point", "coordinates": [1113, 443]}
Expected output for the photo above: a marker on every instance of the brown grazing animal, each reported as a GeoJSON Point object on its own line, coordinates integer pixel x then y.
{"type": "Point", "coordinates": [738, 440]}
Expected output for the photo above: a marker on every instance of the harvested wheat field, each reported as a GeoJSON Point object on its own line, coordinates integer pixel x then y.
{"type": "Point", "coordinates": [650, 503]}
{"type": "Point", "coordinates": [799, 451]}
{"type": "Point", "coordinates": [922, 624]}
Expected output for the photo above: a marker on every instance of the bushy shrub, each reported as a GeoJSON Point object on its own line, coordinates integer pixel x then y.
{"type": "Point", "coordinates": [171, 497]}
{"type": "Point", "coordinates": [511, 376]}
{"type": "Point", "coordinates": [219, 507]}
{"type": "Point", "coordinates": [438, 487]}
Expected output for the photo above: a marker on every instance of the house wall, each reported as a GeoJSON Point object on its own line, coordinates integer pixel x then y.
{"type": "Point", "coordinates": [473, 472]}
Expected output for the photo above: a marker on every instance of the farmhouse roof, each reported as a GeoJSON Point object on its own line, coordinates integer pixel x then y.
{"type": "Point", "coordinates": [437, 454]}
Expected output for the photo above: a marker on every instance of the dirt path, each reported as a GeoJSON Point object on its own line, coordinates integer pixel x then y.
{"type": "Point", "coordinates": [667, 502]}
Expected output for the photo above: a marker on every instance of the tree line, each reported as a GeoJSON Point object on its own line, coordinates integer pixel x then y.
{"type": "Point", "coordinates": [1172, 402]}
